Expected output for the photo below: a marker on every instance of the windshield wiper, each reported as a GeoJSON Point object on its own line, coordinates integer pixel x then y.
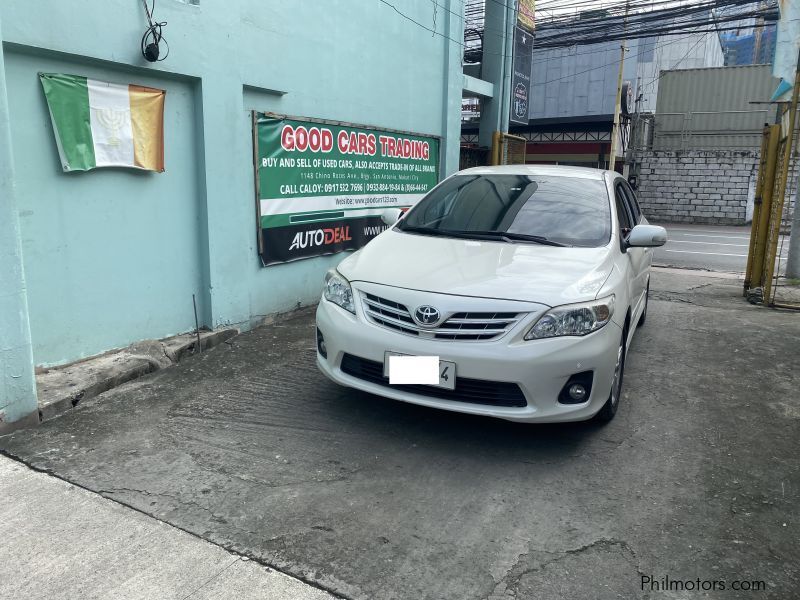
{"type": "Point", "coordinates": [484, 235]}
{"type": "Point", "coordinates": [467, 235]}
{"type": "Point", "coordinates": [425, 230]}
{"type": "Point", "coordinates": [508, 236]}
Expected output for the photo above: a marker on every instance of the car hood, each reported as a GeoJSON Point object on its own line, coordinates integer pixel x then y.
{"type": "Point", "coordinates": [528, 272]}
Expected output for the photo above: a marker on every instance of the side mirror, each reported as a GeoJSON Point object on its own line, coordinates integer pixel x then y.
{"type": "Point", "coordinates": [647, 236]}
{"type": "Point", "coordinates": [390, 216]}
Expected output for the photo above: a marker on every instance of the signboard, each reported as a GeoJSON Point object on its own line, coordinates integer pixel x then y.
{"type": "Point", "coordinates": [321, 187]}
{"type": "Point", "coordinates": [525, 14]}
{"type": "Point", "coordinates": [521, 80]}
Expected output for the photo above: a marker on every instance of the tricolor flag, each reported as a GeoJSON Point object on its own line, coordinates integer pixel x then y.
{"type": "Point", "coordinates": [100, 124]}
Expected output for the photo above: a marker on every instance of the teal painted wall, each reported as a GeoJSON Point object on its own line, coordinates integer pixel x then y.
{"type": "Point", "coordinates": [113, 256]}
{"type": "Point", "coordinates": [17, 384]}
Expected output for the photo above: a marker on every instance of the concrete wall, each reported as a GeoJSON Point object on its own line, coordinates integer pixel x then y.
{"type": "Point", "coordinates": [114, 256]}
{"type": "Point", "coordinates": [702, 186]}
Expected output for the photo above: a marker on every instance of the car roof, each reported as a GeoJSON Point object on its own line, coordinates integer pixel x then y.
{"type": "Point", "coordinates": [551, 170]}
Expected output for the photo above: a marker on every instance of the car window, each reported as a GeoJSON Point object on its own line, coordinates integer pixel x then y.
{"type": "Point", "coordinates": [439, 210]}
{"type": "Point", "coordinates": [569, 210]}
{"type": "Point", "coordinates": [623, 212]}
{"type": "Point", "coordinates": [633, 203]}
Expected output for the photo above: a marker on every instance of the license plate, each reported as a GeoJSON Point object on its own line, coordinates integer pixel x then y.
{"type": "Point", "coordinates": [447, 371]}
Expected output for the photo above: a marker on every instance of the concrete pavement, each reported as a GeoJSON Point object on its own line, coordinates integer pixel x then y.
{"type": "Point", "coordinates": [249, 447]}
{"type": "Point", "coordinates": [61, 541]}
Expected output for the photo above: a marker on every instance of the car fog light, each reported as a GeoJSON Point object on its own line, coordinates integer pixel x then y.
{"type": "Point", "coordinates": [577, 389]}
{"type": "Point", "coordinates": [321, 348]}
{"type": "Point", "coordinates": [577, 392]}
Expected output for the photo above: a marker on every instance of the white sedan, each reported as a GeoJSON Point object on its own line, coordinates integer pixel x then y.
{"type": "Point", "coordinates": [521, 286]}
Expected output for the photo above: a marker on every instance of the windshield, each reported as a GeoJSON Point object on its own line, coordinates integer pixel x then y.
{"type": "Point", "coordinates": [565, 210]}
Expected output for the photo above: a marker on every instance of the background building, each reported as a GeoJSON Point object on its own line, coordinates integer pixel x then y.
{"type": "Point", "coordinates": [574, 91]}
{"type": "Point", "coordinates": [756, 47]}
{"type": "Point", "coordinates": [748, 40]}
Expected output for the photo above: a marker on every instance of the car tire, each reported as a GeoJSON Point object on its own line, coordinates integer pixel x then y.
{"type": "Point", "coordinates": [612, 404]}
{"type": "Point", "coordinates": [643, 316]}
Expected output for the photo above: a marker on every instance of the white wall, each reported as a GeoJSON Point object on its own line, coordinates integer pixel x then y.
{"type": "Point", "coordinates": [689, 51]}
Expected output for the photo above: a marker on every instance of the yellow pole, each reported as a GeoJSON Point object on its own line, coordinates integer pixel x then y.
{"type": "Point", "coordinates": [756, 208]}
{"type": "Point", "coordinates": [767, 190]}
{"type": "Point", "coordinates": [496, 141]}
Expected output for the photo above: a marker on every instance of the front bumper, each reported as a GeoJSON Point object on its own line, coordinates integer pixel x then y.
{"type": "Point", "coordinates": [539, 367]}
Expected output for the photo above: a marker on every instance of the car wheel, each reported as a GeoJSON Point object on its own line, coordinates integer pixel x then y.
{"type": "Point", "coordinates": [610, 407]}
{"type": "Point", "coordinates": [643, 316]}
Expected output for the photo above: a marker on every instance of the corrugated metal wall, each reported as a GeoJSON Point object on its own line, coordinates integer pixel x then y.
{"type": "Point", "coordinates": [703, 109]}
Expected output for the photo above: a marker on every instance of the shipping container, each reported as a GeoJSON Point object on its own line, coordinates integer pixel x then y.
{"type": "Point", "coordinates": [713, 108]}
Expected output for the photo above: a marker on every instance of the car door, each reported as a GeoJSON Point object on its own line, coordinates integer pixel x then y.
{"type": "Point", "coordinates": [639, 257]}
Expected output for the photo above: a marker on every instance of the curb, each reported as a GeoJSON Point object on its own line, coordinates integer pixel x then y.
{"type": "Point", "coordinates": [62, 388]}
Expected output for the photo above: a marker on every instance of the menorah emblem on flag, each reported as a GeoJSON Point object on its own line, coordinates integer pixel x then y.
{"type": "Point", "coordinates": [112, 120]}
{"type": "Point", "coordinates": [102, 124]}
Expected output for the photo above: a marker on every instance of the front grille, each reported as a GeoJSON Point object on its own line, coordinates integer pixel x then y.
{"type": "Point", "coordinates": [473, 391]}
{"type": "Point", "coordinates": [389, 314]}
{"type": "Point", "coordinates": [462, 326]}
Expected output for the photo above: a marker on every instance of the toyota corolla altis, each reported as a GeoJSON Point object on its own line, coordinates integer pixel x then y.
{"type": "Point", "coordinates": [526, 283]}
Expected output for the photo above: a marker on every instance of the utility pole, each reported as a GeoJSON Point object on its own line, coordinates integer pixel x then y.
{"type": "Point", "coordinates": [793, 258]}
{"type": "Point", "coordinates": [780, 192]}
{"type": "Point", "coordinates": [615, 129]}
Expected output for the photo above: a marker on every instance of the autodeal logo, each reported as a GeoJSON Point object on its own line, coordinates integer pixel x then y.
{"type": "Point", "coordinates": [320, 237]}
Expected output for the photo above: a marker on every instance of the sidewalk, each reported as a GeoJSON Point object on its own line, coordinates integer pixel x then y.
{"type": "Point", "coordinates": [61, 541]}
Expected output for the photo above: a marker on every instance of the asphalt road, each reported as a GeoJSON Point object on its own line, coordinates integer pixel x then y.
{"type": "Point", "coordinates": [707, 247]}
{"type": "Point", "coordinates": [250, 448]}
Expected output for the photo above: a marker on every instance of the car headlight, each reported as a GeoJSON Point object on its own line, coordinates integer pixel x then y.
{"type": "Point", "coordinates": [573, 319]}
{"type": "Point", "coordinates": [338, 291]}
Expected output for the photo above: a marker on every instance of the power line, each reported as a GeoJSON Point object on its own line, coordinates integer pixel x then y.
{"type": "Point", "coordinates": [592, 51]}
{"type": "Point", "coordinates": [616, 62]}
{"type": "Point", "coordinates": [608, 33]}
{"type": "Point", "coordinates": [605, 20]}
{"type": "Point", "coordinates": [433, 31]}
{"type": "Point", "coordinates": [418, 24]}
{"type": "Point", "coordinates": [559, 32]}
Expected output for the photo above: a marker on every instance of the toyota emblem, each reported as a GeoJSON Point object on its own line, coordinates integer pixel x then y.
{"type": "Point", "coordinates": [427, 315]}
